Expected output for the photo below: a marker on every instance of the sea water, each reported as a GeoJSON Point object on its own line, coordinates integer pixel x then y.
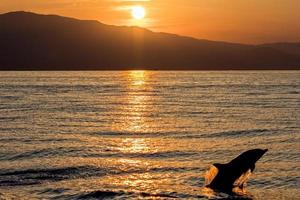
{"type": "Point", "coordinates": [145, 134]}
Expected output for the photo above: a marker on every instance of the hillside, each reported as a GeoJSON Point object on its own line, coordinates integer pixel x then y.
{"type": "Point", "coordinates": [31, 41]}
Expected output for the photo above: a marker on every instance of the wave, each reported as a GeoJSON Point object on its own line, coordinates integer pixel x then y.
{"type": "Point", "coordinates": [86, 153]}
{"type": "Point", "coordinates": [26, 140]}
{"type": "Point", "coordinates": [50, 152]}
{"type": "Point", "coordinates": [139, 134]}
{"type": "Point", "coordinates": [109, 194]}
{"type": "Point", "coordinates": [102, 195]}
{"type": "Point", "coordinates": [38, 176]}
{"type": "Point", "coordinates": [130, 195]}
{"type": "Point", "coordinates": [242, 133]}
{"type": "Point", "coordinates": [226, 134]}
{"type": "Point", "coordinates": [156, 155]}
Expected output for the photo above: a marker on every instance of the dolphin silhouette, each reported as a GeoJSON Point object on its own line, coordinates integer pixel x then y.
{"type": "Point", "coordinates": [235, 173]}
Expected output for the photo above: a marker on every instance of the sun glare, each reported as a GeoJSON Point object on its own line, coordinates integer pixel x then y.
{"type": "Point", "coordinates": [138, 12]}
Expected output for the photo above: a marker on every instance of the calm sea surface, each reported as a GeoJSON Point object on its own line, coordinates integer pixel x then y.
{"type": "Point", "coordinates": [145, 134]}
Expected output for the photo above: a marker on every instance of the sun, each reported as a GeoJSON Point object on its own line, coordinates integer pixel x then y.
{"type": "Point", "coordinates": [138, 12]}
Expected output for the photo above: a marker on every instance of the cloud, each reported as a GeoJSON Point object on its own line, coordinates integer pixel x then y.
{"type": "Point", "coordinates": [127, 4]}
{"type": "Point", "coordinates": [131, 0]}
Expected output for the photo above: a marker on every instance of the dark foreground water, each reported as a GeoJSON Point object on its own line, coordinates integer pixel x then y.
{"type": "Point", "coordinates": [145, 134]}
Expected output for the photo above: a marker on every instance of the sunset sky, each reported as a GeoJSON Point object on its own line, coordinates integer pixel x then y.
{"type": "Point", "coordinates": [246, 21]}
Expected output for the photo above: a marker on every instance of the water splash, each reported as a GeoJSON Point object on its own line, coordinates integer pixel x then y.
{"type": "Point", "coordinates": [242, 180]}
{"type": "Point", "coordinates": [238, 185]}
{"type": "Point", "coordinates": [210, 175]}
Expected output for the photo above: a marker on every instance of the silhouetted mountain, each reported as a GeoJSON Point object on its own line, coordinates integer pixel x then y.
{"type": "Point", "coordinates": [30, 41]}
{"type": "Point", "coordinates": [291, 48]}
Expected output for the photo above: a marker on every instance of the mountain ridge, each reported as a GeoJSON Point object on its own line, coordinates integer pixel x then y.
{"type": "Point", "coordinates": [30, 41]}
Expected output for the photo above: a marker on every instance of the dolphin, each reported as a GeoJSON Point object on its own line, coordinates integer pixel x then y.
{"type": "Point", "coordinates": [226, 177]}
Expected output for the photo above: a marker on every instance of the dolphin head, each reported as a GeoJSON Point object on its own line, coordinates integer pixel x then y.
{"type": "Point", "coordinates": [249, 157]}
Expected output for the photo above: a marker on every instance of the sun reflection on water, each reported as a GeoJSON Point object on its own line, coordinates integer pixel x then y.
{"type": "Point", "coordinates": [136, 101]}
{"type": "Point", "coordinates": [135, 145]}
{"type": "Point", "coordinates": [134, 121]}
{"type": "Point", "coordinates": [137, 77]}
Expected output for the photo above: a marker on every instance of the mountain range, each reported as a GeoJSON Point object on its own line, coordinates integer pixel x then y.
{"type": "Point", "coordinates": [30, 41]}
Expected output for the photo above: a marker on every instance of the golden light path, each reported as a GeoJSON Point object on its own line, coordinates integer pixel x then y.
{"type": "Point", "coordinates": [137, 77]}
{"type": "Point", "coordinates": [136, 101]}
{"type": "Point", "coordinates": [136, 124]}
{"type": "Point", "coordinates": [135, 109]}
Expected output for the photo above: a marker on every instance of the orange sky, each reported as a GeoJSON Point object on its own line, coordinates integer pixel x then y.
{"type": "Point", "coordinates": [246, 21]}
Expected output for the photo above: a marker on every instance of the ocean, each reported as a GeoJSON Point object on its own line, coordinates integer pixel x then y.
{"type": "Point", "coordinates": [145, 134]}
